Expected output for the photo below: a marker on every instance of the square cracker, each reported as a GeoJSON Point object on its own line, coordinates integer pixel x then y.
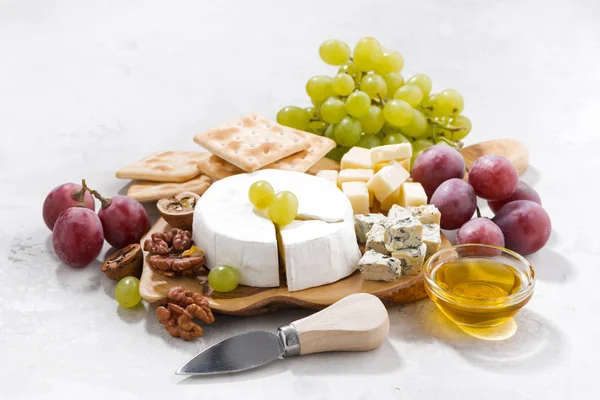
{"type": "Point", "coordinates": [217, 168]}
{"type": "Point", "coordinates": [168, 166]}
{"type": "Point", "coordinates": [252, 142]}
{"type": "Point", "coordinates": [152, 191]}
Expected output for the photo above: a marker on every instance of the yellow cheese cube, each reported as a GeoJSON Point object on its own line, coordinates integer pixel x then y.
{"type": "Point", "coordinates": [405, 163]}
{"type": "Point", "coordinates": [391, 152]}
{"type": "Point", "coordinates": [355, 175]}
{"type": "Point", "coordinates": [358, 194]}
{"type": "Point", "coordinates": [390, 200]}
{"type": "Point", "coordinates": [412, 194]}
{"type": "Point", "coordinates": [329, 174]}
{"type": "Point", "coordinates": [375, 207]}
{"type": "Point", "coordinates": [371, 198]}
{"type": "Point", "coordinates": [357, 158]}
{"type": "Point", "coordinates": [388, 179]}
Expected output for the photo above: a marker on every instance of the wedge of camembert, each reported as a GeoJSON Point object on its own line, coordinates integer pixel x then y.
{"type": "Point", "coordinates": [319, 247]}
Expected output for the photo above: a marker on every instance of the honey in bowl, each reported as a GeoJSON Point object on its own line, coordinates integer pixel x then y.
{"type": "Point", "coordinates": [477, 288]}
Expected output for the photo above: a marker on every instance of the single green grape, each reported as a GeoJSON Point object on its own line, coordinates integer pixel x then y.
{"type": "Point", "coordinates": [418, 147]}
{"type": "Point", "coordinates": [417, 127]}
{"type": "Point", "coordinates": [391, 61]}
{"type": "Point", "coordinates": [369, 141]}
{"type": "Point", "coordinates": [223, 278]}
{"type": "Point", "coordinates": [372, 121]}
{"type": "Point", "coordinates": [319, 89]}
{"type": "Point", "coordinates": [342, 84]}
{"type": "Point", "coordinates": [284, 208]}
{"type": "Point", "coordinates": [333, 110]}
{"type": "Point", "coordinates": [317, 127]}
{"type": "Point", "coordinates": [337, 153]}
{"type": "Point", "coordinates": [261, 194]}
{"type": "Point", "coordinates": [347, 132]}
{"type": "Point", "coordinates": [395, 138]}
{"type": "Point", "coordinates": [334, 52]}
{"type": "Point", "coordinates": [127, 292]}
{"type": "Point", "coordinates": [373, 85]}
{"type": "Point", "coordinates": [411, 93]}
{"type": "Point", "coordinates": [294, 117]}
{"type": "Point", "coordinates": [393, 81]}
{"type": "Point", "coordinates": [442, 105]}
{"type": "Point", "coordinates": [454, 100]}
{"type": "Point", "coordinates": [313, 112]}
{"type": "Point", "coordinates": [329, 132]}
{"type": "Point", "coordinates": [464, 124]}
{"type": "Point", "coordinates": [367, 54]}
{"type": "Point", "coordinates": [423, 81]}
{"type": "Point", "coordinates": [389, 129]}
{"type": "Point", "coordinates": [358, 103]}
{"type": "Point", "coordinates": [351, 69]}
{"type": "Point", "coordinates": [398, 112]}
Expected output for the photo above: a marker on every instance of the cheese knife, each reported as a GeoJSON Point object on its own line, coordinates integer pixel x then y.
{"type": "Point", "coordinates": [358, 322]}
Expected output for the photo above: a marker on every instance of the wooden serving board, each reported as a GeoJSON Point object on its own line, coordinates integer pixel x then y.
{"type": "Point", "coordinates": [247, 301]}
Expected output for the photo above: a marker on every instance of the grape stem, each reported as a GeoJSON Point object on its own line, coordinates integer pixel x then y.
{"type": "Point", "coordinates": [478, 212]}
{"type": "Point", "coordinates": [105, 201]}
{"type": "Point", "coordinates": [445, 126]}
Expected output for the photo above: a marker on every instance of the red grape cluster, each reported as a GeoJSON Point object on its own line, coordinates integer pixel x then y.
{"type": "Point", "coordinates": [520, 223]}
{"type": "Point", "coordinates": [78, 233]}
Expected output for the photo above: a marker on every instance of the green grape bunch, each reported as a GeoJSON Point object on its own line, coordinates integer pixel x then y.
{"type": "Point", "coordinates": [368, 103]}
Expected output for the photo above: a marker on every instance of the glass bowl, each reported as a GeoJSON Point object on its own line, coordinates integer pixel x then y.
{"type": "Point", "coordinates": [479, 286]}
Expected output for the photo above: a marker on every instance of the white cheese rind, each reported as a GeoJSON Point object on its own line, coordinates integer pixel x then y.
{"type": "Point", "coordinates": [378, 267]}
{"type": "Point", "coordinates": [403, 232]}
{"type": "Point", "coordinates": [363, 224]}
{"type": "Point", "coordinates": [411, 259]}
{"type": "Point", "coordinates": [376, 239]}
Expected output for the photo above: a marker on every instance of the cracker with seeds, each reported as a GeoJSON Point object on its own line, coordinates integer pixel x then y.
{"type": "Point", "coordinates": [168, 166]}
{"type": "Point", "coordinates": [252, 142]}
{"type": "Point", "coordinates": [152, 191]}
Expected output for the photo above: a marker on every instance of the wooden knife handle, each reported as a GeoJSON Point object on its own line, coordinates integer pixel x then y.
{"type": "Point", "coordinates": [358, 322]}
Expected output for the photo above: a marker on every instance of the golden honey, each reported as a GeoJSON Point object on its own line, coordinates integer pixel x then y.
{"type": "Point", "coordinates": [478, 292]}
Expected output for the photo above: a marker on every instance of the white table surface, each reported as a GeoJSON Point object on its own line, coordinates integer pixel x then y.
{"type": "Point", "coordinates": [86, 87]}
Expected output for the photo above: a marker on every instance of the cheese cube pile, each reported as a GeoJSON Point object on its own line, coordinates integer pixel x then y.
{"type": "Point", "coordinates": [398, 244]}
{"type": "Point", "coordinates": [385, 172]}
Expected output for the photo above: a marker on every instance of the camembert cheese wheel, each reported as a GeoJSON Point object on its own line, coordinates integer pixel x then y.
{"type": "Point", "coordinates": [317, 248]}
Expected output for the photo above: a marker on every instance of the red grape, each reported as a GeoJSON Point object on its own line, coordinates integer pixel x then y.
{"type": "Point", "coordinates": [61, 198]}
{"type": "Point", "coordinates": [493, 177]}
{"type": "Point", "coordinates": [482, 231]}
{"type": "Point", "coordinates": [435, 165]}
{"type": "Point", "coordinates": [124, 219]}
{"type": "Point", "coordinates": [522, 192]}
{"type": "Point", "coordinates": [77, 237]}
{"type": "Point", "coordinates": [525, 224]}
{"type": "Point", "coordinates": [456, 201]}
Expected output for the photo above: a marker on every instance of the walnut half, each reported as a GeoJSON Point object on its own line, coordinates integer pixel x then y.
{"type": "Point", "coordinates": [180, 314]}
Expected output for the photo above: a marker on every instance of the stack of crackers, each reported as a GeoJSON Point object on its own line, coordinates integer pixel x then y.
{"type": "Point", "coordinates": [246, 144]}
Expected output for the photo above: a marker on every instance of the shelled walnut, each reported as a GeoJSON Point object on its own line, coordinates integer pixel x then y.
{"type": "Point", "coordinates": [179, 315]}
{"type": "Point", "coordinates": [168, 253]}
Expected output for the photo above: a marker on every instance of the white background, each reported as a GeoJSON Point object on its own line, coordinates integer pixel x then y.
{"type": "Point", "coordinates": [89, 86]}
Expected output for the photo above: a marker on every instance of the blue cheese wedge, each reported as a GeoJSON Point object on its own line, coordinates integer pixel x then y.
{"type": "Point", "coordinates": [402, 232]}
{"type": "Point", "coordinates": [378, 267]}
{"type": "Point", "coordinates": [375, 239]}
{"type": "Point", "coordinates": [431, 238]}
{"type": "Point", "coordinates": [427, 214]}
{"type": "Point", "coordinates": [411, 259]}
{"type": "Point", "coordinates": [363, 224]}
{"type": "Point", "coordinates": [397, 211]}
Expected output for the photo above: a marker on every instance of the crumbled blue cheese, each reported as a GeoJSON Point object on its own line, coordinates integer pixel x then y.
{"type": "Point", "coordinates": [363, 224]}
{"type": "Point", "coordinates": [375, 239]}
{"type": "Point", "coordinates": [411, 259]}
{"type": "Point", "coordinates": [431, 238]}
{"type": "Point", "coordinates": [427, 214]}
{"type": "Point", "coordinates": [397, 211]}
{"type": "Point", "coordinates": [378, 267]}
{"type": "Point", "coordinates": [402, 232]}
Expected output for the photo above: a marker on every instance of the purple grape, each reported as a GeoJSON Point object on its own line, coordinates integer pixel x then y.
{"type": "Point", "coordinates": [456, 201]}
{"type": "Point", "coordinates": [493, 177]}
{"type": "Point", "coordinates": [526, 226]}
{"type": "Point", "coordinates": [124, 219]}
{"type": "Point", "coordinates": [482, 231]}
{"type": "Point", "coordinates": [436, 165]}
{"type": "Point", "coordinates": [522, 192]}
{"type": "Point", "coordinates": [77, 237]}
{"type": "Point", "coordinates": [60, 199]}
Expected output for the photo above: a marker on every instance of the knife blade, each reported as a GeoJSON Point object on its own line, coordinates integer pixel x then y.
{"type": "Point", "coordinates": [358, 322]}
